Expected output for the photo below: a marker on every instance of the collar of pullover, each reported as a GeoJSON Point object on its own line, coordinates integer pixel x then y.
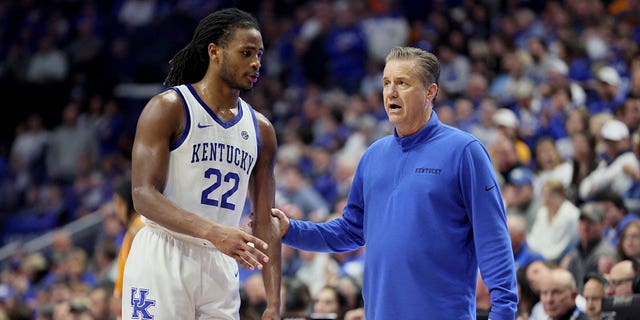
{"type": "Point", "coordinates": [409, 142]}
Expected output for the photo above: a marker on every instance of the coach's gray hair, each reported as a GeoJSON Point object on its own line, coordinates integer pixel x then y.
{"type": "Point", "coordinates": [427, 66]}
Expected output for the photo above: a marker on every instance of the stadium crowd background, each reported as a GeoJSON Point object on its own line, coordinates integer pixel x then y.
{"type": "Point", "coordinates": [526, 77]}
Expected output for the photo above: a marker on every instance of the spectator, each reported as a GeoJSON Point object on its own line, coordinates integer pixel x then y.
{"type": "Point", "coordinates": [585, 257]}
{"type": "Point", "coordinates": [49, 64]}
{"type": "Point", "coordinates": [346, 47]}
{"type": "Point", "coordinates": [132, 220]}
{"type": "Point", "coordinates": [550, 165]}
{"type": "Point", "coordinates": [616, 215]}
{"type": "Point", "coordinates": [69, 143]}
{"type": "Point", "coordinates": [610, 172]}
{"type": "Point", "coordinates": [507, 122]}
{"type": "Point", "coordinates": [584, 161]}
{"type": "Point", "coordinates": [609, 93]}
{"type": "Point", "coordinates": [577, 122]}
{"type": "Point", "coordinates": [522, 254]}
{"type": "Point", "coordinates": [519, 196]}
{"type": "Point", "coordinates": [296, 299]}
{"type": "Point", "coordinates": [29, 145]}
{"type": "Point", "coordinates": [622, 276]}
{"type": "Point", "coordinates": [593, 292]}
{"type": "Point", "coordinates": [329, 302]}
{"type": "Point", "coordinates": [558, 294]}
{"type": "Point", "coordinates": [629, 243]}
{"type": "Point", "coordinates": [632, 195]}
{"type": "Point", "coordinates": [555, 230]}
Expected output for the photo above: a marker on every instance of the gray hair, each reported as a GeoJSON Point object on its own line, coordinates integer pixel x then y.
{"type": "Point", "coordinates": [427, 66]}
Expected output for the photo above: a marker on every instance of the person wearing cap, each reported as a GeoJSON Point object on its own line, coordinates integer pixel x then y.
{"type": "Point", "coordinates": [591, 246]}
{"type": "Point", "coordinates": [507, 122]}
{"type": "Point", "coordinates": [609, 91]}
{"type": "Point", "coordinates": [610, 172]}
{"type": "Point", "coordinates": [519, 196]}
{"type": "Point", "coordinates": [616, 215]}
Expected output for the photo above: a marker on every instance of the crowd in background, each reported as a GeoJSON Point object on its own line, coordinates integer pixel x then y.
{"type": "Point", "coordinates": [552, 88]}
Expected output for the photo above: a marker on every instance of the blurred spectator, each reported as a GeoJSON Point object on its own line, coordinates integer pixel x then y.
{"type": "Point", "coordinates": [507, 123]}
{"type": "Point", "coordinates": [522, 254]}
{"type": "Point", "coordinates": [577, 122]}
{"type": "Point", "coordinates": [608, 94]}
{"type": "Point", "coordinates": [132, 220]}
{"type": "Point", "coordinates": [584, 258]}
{"type": "Point", "coordinates": [584, 161]}
{"type": "Point", "coordinates": [385, 28]}
{"type": "Point", "coordinates": [629, 244]}
{"type": "Point", "coordinates": [99, 302]}
{"type": "Point", "coordinates": [329, 302]}
{"type": "Point", "coordinates": [593, 292]}
{"type": "Point", "coordinates": [454, 71]}
{"type": "Point", "coordinates": [136, 13]}
{"type": "Point", "coordinates": [550, 165]}
{"type": "Point", "coordinates": [629, 112]}
{"type": "Point", "coordinates": [352, 291]}
{"type": "Point", "coordinates": [256, 299]}
{"type": "Point", "coordinates": [632, 196]}
{"type": "Point", "coordinates": [297, 190]}
{"type": "Point", "coordinates": [616, 215]}
{"type": "Point", "coordinates": [346, 47]}
{"type": "Point", "coordinates": [610, 173]}
{"type": "Point", "coordinates": [296, 299]}
{"type": "Point", "coordinates": [622, 277]}
{"type": "Point", "coordinates": [48, 64]}
{"type": "Point", "coordinates": [558, 294]}
{"type": "Point", "coordinates": [555, 230]}
{"type": "Point", "coordinates": [30, 144]}
{"type": "Point", "coordinates": [69, 143]}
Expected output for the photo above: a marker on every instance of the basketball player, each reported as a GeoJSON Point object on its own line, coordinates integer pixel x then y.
{"type": "Point", "coordinates": [199, 151]}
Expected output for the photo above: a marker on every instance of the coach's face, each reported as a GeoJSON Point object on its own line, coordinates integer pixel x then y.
{"type": "Point", "coordinates": [407, 99]}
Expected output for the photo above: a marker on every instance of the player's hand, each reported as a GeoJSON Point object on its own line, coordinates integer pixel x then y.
{"type": "Point", "coordinates": [242, 247]}
{"type": "Point", "coordinates": [271, 314]}
{"type": "Point", "coordinates": [283, 220]}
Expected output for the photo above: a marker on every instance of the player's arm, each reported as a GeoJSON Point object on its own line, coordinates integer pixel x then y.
{"type": "Point", "coordinates": [163, 120]}
{"type": "Point", "coordinates": [264, 226]}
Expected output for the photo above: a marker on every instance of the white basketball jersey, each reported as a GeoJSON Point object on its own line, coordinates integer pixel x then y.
{"type": "Point", "coordinates": [211, 163]}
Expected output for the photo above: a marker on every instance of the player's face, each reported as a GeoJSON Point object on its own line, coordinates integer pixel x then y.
{"type": "Point", "coordinates": [405, 97]}
{"type": "Point", "coordinates": [241, 59]}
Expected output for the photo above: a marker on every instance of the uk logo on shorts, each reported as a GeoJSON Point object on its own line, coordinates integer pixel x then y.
{"type": "Point", "coordinates": [140, 305]}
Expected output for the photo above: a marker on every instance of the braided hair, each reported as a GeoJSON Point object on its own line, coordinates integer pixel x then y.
{"type": "Point", "coordinates": [190, 63]}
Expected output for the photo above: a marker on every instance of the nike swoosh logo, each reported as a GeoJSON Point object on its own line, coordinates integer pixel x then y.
{"type": "Point", "coordinates": [200, 125]}
{"type": "Point", "coordinates": [488, 188]}
{"type": "Point", "coordinates": [236, 274]}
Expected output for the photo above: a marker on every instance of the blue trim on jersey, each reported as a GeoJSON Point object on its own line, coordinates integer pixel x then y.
{"type": "Point", "coordinates": [187, 126]}
{"type": "Point", "coordinates": [215, 117]}
{"type": "Point", "coordinates": [255, 125]}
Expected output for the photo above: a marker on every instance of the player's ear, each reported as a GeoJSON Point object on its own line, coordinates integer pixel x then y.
{"type": "Point", "coordinates": [215, 51]}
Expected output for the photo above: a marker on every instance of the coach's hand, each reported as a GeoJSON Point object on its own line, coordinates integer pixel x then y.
{"type": "Point", "coordinates": [241, 246]}
{"type": "Point", "coordinates": [283, 220]}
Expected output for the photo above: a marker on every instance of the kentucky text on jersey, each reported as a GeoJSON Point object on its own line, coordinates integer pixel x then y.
{"type": "Point", "coordinates": [222, 152]}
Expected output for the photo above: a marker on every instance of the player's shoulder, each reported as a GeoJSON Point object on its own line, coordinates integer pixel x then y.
{"type": "Point", "coordinates": [166, 99]}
